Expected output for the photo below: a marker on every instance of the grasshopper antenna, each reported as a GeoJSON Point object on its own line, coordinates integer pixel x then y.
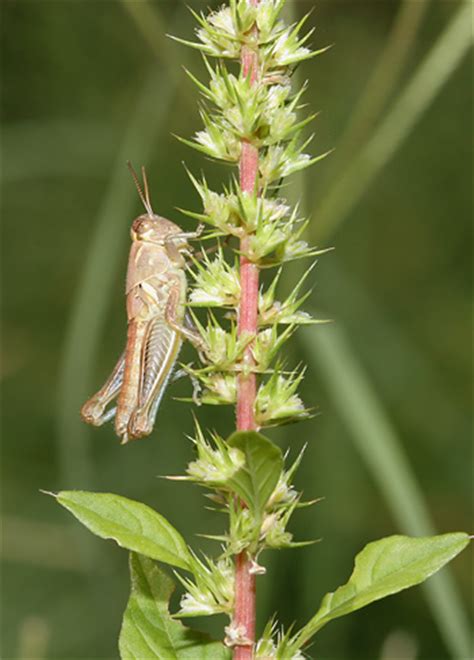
{"type": "Point", "coordinates": [144, 197]}
{"type": "Point", "coordinates": [147, 192]}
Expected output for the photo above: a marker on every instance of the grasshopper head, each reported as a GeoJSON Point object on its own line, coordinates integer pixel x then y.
{"type": "Point", "coordinates": [153, 228]}
{"type": "Point", "coordinates": [149, 226]}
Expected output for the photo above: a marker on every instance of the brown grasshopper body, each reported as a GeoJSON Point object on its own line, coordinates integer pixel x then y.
{"type": "Point", "coordinates": [156, 297]}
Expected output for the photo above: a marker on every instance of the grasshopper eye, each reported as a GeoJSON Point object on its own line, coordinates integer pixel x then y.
{"type": "Point", "coordinates": [141, 225]}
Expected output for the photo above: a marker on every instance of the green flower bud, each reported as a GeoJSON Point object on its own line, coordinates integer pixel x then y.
{"type": "Point", "coordinates": [213, 589]}
{"type": "Point", "coordinates": [218, 142]}
{"type": "Point", "coordinates": [219, 389]}
{"type": "Point", "coordinates": [216, 466]}
{"type": "Point", "coordinates": [277, 401]}
{"type": "Point", "coordinates": [216, 283]}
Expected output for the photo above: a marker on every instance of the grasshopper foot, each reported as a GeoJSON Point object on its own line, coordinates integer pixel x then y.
{"type": "Point", "coordinates": [121, 426]}
{"type": "Point", "coordinates": [92, 412]}
{"type": "Point", "coordinates": [139, 425]}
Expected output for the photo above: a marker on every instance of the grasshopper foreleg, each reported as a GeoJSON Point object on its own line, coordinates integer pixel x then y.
{"type": "Point", "coordinates": [198, 256]}
{"type": "Point", "coordinates": [93, 411]}
{"type": "Point", "coordinates": [174, 244]}
{"type": "Point", "coordinates": [197, 387]}
{"type": "Point", "coordinates": [184, 236]}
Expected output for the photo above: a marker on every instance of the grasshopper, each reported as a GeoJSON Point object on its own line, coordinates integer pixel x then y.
{"type": "Point", "coordinates": [156, 297]}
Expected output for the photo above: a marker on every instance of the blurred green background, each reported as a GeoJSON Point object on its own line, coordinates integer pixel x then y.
{"type": "Point", "coordinates": [90, 84]}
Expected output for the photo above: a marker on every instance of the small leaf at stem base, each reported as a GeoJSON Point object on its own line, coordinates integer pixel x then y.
{"type": "Point", "coordinates": [257, 479]}
{"type": "Point", "coordinates": [148, 629]}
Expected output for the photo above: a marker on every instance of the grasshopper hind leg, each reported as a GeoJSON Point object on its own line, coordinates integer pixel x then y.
{"type": "Point", "coordinates": [160, 350]}
{"type": "Point", "coordinates": [94, 410]}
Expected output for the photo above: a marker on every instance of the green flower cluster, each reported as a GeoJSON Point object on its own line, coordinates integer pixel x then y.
{"type": "Point", "coordinates": [259, 502]}
{"type": "Point", "coordinates": [245, 474]}
{"type": "Point", "coordinates": [220, 466]}
{"type": "Point", "coordinates": [223, 33]}
{"type": "Point", "coordinates": [264, 113]}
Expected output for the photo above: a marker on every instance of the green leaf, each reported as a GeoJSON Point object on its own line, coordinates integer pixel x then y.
{"type": "Point", "coordinates": [148, 630]}
{"type": "Point", "coordinates": [257, 479]}
{"type": "Point", "coordinates": [131, 524]}
{"type": "Point", "coordinates": [383, 568]}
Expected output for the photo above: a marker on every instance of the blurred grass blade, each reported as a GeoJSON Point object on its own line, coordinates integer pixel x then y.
{"type": "Point", "coordinates": [399, 644]}
{"type": "Point", "coordinates": [383, 80]}
{"type": "Point", "coordinates": [41, 544]}
{"type": "Point", "coordinates": [34, 148]}
{"type": "Point", "coordinates": [373, 322]}
{"type": "Point", "coordinates": [421, 90]}
{"type": "Point", "coordinates": [359, 407]}
{"type": "Point", "coordinates": [153, 29]}
{"type": "Point", "coordinates": [34, 637]}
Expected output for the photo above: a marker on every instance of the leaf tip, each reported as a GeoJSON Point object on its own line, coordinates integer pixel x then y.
{"type": "Point", "coordinates": [49, 492]}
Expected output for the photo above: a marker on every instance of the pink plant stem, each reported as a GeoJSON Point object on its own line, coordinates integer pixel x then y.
{"type": "Point", "coordinates": [245, 592]}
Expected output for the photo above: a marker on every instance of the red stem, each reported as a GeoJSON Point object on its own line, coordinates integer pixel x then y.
{"type": "Point", "coordinates": [245, 591]}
